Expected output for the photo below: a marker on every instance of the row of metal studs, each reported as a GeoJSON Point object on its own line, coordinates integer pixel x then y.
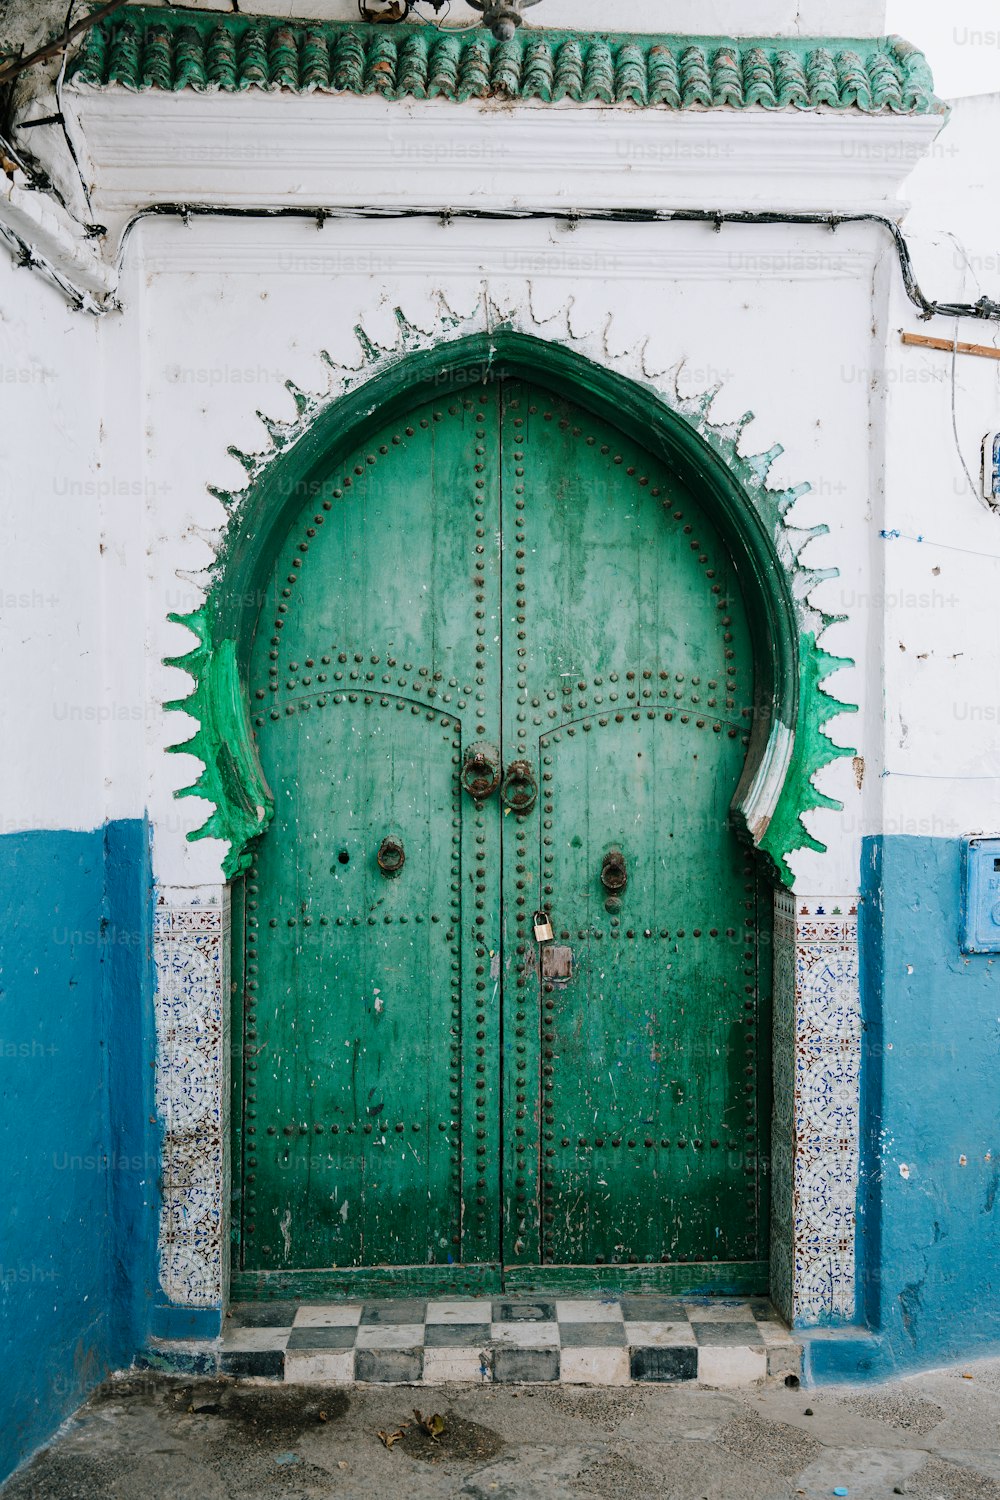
{"type": "Point", "coordinates": [642, 480]}
{"type": "Point", "coordinates": [321, 701]}
{"type": "Point", "coordinates": [384, 701]}
{"type": "Point", "coordinates": [251, 999]}
{"type": "Point", "coordinates": [522, 1150]}
{"type": "Point", "coordinates": [415, 683]}
{"type": "Point", "coordinates": [482, 1207]}
{"type": "Point", "coordinates": [564, 710]}
{"type": "Point", "coordinates": [319, 517]}
{"type": "Point", "coordinates": [603, 720]}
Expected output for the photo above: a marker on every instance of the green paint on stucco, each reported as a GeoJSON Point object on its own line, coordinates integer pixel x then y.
{"type": "Point", "coordinates": [791, 668]}
{"type": "Point", "coordinates": [814, 749]}
{"type": "Point", "coordinates": [231, 777]}
{"type": "Point", "coordinates": [145, 48]}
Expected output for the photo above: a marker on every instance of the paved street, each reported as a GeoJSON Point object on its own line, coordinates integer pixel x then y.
{"type": "Point", "coordinates": [935, 1436]}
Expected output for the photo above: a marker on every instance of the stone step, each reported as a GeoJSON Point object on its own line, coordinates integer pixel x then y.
{"type": "Point", "coordinates": [615, 1341]}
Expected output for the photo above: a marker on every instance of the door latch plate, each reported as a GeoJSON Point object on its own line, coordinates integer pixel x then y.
{"type": "Point", "coordinates": [557, 964]}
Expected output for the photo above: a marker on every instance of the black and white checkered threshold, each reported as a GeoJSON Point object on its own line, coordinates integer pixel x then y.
{"type": "Point", "coordinates": [615, 1341]}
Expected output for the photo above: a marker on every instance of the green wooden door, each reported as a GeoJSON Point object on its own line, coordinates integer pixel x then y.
{"type": "Point", "coordinates": [503, 668]}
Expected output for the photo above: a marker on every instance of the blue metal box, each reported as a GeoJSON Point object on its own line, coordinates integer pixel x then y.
{"type": "Point", "coordinates": [981, 896]}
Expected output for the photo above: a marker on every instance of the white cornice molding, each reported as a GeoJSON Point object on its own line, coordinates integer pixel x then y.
{"type": "Point", "coordinates": [515, 249]}
{"type": "Point", "coordinates": [275, 150]}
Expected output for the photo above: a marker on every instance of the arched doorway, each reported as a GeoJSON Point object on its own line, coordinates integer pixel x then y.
{"type": "Point", "coordinates": [504, 669]}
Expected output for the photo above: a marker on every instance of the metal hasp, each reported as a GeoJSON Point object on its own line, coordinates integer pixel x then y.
{"type": "Point", "coordinates": [434, 1094]}
{"type": "Point", "coordinates": [981, 896]}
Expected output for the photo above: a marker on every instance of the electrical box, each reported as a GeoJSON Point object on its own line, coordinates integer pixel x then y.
{"type": "Point", "coordinates": [991, 469]}
{"type": "Point", "coordinates": [981, 896]}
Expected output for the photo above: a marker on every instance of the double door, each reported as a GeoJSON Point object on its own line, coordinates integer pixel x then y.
{"type": "Point", "coordinates": [501, 959]}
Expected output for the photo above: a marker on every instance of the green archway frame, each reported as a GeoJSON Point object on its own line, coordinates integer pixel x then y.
{"type": "Point", "coordinates": [788, 743]}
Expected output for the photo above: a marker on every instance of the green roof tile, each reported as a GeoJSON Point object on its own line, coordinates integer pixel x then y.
{"type": "Point", "coordinates": [140, 48]}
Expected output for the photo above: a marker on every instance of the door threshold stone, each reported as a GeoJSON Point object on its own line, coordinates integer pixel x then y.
{"type": "Point", "coordinates": [503, 1340]}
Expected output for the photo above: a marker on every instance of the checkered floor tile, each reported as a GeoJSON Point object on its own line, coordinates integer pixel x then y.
{"type": "Point", "coordinates": [576, 1341]}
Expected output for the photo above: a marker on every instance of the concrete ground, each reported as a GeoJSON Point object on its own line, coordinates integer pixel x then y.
{"type": "Point", "coordinates": [154, 1437]}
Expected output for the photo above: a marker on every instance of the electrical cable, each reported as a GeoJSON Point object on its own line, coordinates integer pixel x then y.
{"type": "Point", "coordinates": [445, 30]}
{"type": "Point", "coordinates": [954, 380]}
{"type": "Point", "coordinates": [60, 117]}
{"type": "Point", "coordinates": [937, 776]}
{"type": "Point", "coordinates": [985, 309]}
{"type": "Point", "coordinates": [929, 541]}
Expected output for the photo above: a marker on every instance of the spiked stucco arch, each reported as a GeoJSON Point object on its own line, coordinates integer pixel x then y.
{"type": "Point", "coordinates": [788, 744]}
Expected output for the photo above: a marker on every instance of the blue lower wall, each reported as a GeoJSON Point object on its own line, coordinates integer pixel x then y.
{"type": "Point", "coordinates": [929, 1266]}
{"type": "Point", "coordinates": [78, 1288]}
{"type": "Point", "coordinates": [79, 1169]}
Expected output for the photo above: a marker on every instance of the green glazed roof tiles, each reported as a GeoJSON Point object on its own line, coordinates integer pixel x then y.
{"type": "Point", "coordinates": [138, 49]}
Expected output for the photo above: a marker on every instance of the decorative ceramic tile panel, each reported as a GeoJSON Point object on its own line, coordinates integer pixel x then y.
{"type": "Point", "coordinates": [191, 948]}
{"type": "Point", "coordinates": [817, 1059]}
{"type": "Point", "coordinates": [782, 1124]}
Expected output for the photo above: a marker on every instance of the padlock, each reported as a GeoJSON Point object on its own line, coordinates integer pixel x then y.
{"type": "Point", "coordinates": [543, 927]}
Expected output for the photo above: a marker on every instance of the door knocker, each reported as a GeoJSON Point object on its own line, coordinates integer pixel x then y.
{"type": "Point", "coordinates": [391, 856]}
{"type": "Point", "coordinates": [520, 790]}
{"type": "Point", "coordinates": [614, 874]}
{"type": "Point", "coordinates": [481, 771]}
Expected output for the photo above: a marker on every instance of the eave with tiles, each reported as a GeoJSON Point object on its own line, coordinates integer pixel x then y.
{"type": "Point", "coordinates": [167, 109]}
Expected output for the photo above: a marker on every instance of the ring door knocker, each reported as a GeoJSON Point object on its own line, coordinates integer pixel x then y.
{"type": "Point", "coordinates": [481, 772]}
{"type": "Point", "coordinates": [614, 872]}
{"type": "Point", "coordinates": [519, 792]}
{"type": "Point", "coordinates": [391, 856]}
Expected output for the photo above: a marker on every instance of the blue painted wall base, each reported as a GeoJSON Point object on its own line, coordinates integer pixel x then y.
{"type": "Point", "coordinates": [167, 1322]}
{"type": "Point", "coordinates": [78, 1286]}
{"type": "Point", "coordinates": [929, 1220]}
{"type": "Point", "coordinates": [80, 1162]}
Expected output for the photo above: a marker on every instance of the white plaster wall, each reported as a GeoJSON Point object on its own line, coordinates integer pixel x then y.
{"type": "Point", "coordinates": [53, 713]}
{"type": "Point", "coordinates": [697, 17]}
{"type": "Point", "coordinates": [942, 628]}
{"type": "Point", "coordinates": [113, 429]}
{"type": "Point", "coordinates": [775, 316]}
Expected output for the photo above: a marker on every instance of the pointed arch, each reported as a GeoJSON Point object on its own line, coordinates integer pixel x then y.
{"type": "Point", "coordinates": [789, 743]}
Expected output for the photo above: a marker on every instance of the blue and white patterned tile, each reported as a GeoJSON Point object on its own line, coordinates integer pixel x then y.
{"type": "Point", "coordinates": [827, 990]}
{"type": "Point", "coordinates": [191, 1269]}
{"type": "Point", "coordinates": [826, 1093]}
{"type": "Point", "coordinates": [191, 956]}
{"type": "Point", "coordinates": [827, 1051]}
{"type": "Point", "coordinates": [827, 1208]}
{"type": "Point", "coordinates": [189, 1079]}
{"type": "Point", "coordinates": [824, 1280]}
{"type": "Point", "coordinates": [188, 974]}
